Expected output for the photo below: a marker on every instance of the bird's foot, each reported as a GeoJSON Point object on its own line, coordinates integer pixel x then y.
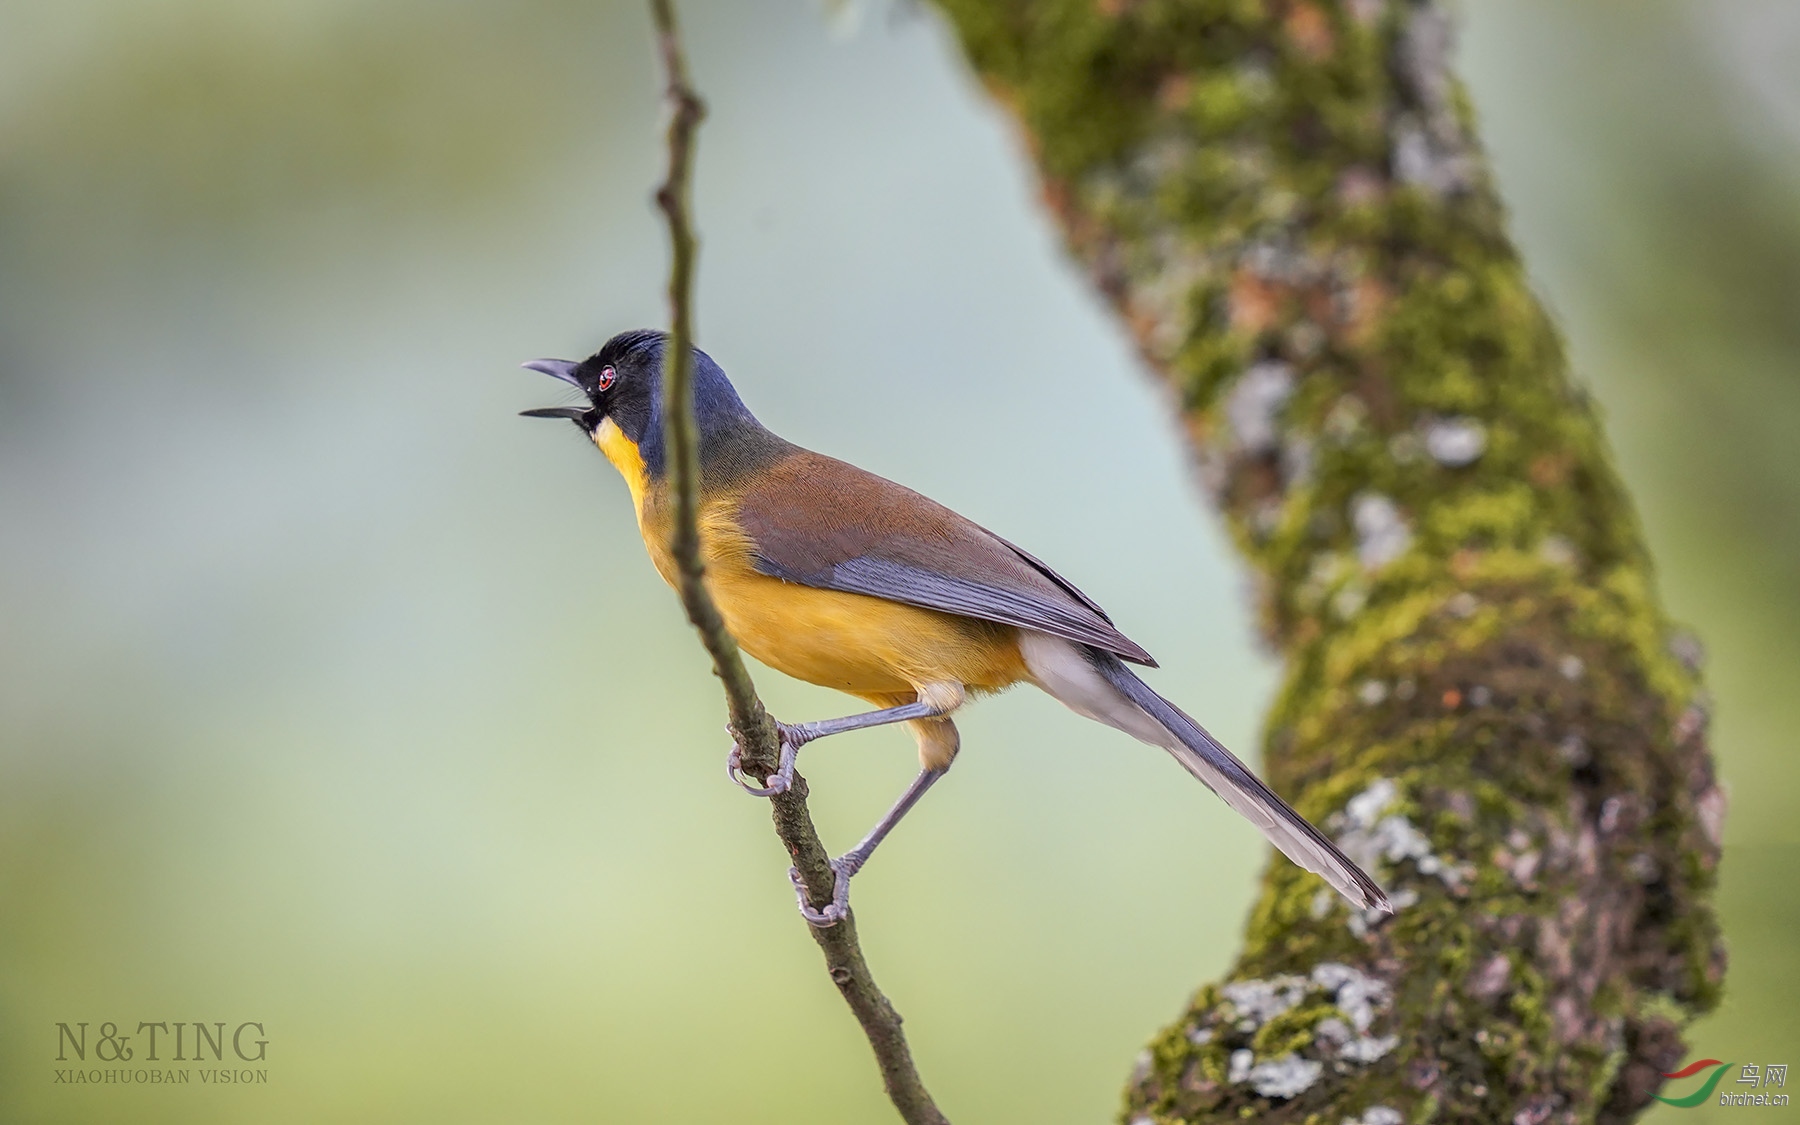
{"type": "Point", "coordinates": [792, 738]}
{"type": "Point", "coordinates": [835, 911]}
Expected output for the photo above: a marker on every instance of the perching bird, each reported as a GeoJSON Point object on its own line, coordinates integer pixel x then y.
{"type": "Point", "coordinates": [841, 578]}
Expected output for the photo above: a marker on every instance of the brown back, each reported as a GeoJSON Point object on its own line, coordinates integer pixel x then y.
{"type": "Point", "coordinates": [821, 522]}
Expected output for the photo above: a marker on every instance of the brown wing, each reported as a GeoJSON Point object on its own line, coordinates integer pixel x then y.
{"type": "Point", "coordinates": [821, 522]}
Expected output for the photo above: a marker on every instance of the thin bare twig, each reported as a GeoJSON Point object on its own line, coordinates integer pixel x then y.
{"type": "Point", "coordinates": [750, 723]}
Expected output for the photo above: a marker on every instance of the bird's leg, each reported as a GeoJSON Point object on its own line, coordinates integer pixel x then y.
{"type": "Point", "coordinates": [824, 728]}
{"type": "Point", "coordinates": [794, 737]}
{"type": "Point", "coordinates": [848, 864]}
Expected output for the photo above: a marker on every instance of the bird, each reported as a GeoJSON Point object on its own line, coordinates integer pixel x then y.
{"type": "Point", "coordinates": [845, 579]}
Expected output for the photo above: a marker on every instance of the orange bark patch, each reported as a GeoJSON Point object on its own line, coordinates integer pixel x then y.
{"type": "Point", "coordinates": [1142, 325]}
{"type": "Point", "coordinates": [1310, 31]}
{"type": "Point", "coordinates": [1367, 300]}
{"type": "Point", "coordinates": [1079, 226]}
{"type": "Point", "coordinates": [1548, 470]}
{"type": "Point", "coordinates": [1318, 304]}
{"type": "Point", "coordinates": [1174, 91]}
{"type": "Point", "coordinates": [1255, 302]}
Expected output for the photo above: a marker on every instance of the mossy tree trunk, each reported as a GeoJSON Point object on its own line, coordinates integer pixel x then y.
{"type": "Point", "coordinates": [1286, 203]}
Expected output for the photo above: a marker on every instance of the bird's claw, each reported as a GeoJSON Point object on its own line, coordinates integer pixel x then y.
{"type": "Point", "coordinates": [778, 782]}
{"type": "Point", "coordinates": [782, 780]}
{"type": "Point", "coordinates": [838, 908]}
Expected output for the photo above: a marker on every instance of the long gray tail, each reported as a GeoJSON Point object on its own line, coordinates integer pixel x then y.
{"type": "Point", "coordinates": [1219, 770]}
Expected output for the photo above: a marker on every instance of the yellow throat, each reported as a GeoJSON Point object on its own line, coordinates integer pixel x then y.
{"type": "Point", "coordinates": [624, 455]}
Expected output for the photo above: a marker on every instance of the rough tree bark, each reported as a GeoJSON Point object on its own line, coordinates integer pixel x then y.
{"type": "Point", "coordinates": [1286, 203]}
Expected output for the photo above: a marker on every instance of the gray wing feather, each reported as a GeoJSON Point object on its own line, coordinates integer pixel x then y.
{"type": "Point", "coordinates": [884, 578]}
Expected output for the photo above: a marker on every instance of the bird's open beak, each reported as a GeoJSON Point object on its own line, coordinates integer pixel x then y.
{"type": "Point", "coordinates": [572, 413]}
{"type": "Point", "coordinates": [563, 369]}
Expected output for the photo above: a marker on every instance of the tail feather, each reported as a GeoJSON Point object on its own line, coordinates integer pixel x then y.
{"type": "Point", "coordinates": [1220, 770]}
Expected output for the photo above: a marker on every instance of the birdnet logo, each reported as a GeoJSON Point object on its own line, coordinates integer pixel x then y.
{"type": "Point", "coordinates": [1759, 1076]}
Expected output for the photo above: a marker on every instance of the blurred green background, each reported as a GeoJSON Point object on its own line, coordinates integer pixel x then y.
{"type": "Point", "coordinates": [336, 697]}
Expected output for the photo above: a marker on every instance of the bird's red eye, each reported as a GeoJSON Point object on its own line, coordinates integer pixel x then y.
{"type": "Point", "coordinates": [607, 378]}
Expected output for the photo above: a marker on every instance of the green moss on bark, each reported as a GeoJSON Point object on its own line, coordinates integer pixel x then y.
{"type": "Point", "coordinates": [1286, 204]}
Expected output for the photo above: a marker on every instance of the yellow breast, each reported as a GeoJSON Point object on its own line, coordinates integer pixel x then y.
{"type": "Point", "coordinates": [867, 646]}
